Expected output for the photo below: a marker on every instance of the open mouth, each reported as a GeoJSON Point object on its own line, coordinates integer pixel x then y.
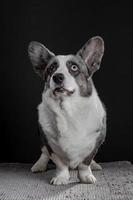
{"type": "Point", "coordinates": [62, 90]}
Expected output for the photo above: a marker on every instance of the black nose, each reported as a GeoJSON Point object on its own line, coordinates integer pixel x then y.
{"type": "Point", "coordinates": [58, 78]}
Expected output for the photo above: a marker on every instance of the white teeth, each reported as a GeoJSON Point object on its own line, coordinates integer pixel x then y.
{"type": "Point", "coordinates": [61, 90]}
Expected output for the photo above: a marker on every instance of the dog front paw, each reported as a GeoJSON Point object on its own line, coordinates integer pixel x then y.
{"type": "Point", "coordinates": [86, 176]}
{"type": "Point", "coordinates": [89, 178]}
{"type": "Point", "coordinates": [59, 180]}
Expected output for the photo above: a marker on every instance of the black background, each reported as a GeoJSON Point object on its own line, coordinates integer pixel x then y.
{"type": "Point", "coordinates": [64, 27]}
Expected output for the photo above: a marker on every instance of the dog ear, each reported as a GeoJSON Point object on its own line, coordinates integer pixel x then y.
{"type": "Point", "coordinates": [39, 56]}
{"type": "Point", "coordinates": [92, 53]}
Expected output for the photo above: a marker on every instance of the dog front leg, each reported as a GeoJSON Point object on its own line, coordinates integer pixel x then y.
{"type": "Point", "coordinates": [62, 172]}
{"type": "Point", "coordinates": [85, 174]}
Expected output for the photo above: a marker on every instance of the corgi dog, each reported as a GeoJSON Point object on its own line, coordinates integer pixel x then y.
{"type": "Point", "coordinates": [71, 116]}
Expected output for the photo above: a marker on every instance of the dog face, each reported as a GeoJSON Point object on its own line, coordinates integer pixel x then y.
{"type": "Point", "coordinates": [67, 75]}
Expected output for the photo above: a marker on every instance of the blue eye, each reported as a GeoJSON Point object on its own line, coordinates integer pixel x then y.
{"type": "Point", "coordinates": [74, 68]}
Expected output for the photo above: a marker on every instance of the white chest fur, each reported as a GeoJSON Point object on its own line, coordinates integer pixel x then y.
{"type": "Point", "coordinates": [77, 121]}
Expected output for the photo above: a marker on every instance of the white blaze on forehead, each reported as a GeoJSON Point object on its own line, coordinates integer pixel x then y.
{"type": "Point", "coordinates": [62, 60]}
{"type": "Point", "coordinates": [69, 81]}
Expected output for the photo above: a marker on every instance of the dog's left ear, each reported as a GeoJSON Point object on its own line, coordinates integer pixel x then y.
{"type": "Point", "coordinates": [92, 53]}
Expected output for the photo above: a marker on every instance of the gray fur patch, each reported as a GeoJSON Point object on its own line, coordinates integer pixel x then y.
{"type": "Point", "coordinates": [85, 86]}
{"type": "Point", "coordinates": [81, 75]}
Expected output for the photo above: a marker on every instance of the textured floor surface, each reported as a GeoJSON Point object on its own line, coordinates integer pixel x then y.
{"type": "Point", "coordinates": [114, 182]}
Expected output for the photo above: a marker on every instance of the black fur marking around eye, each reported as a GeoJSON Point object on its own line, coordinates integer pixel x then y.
{"type": "Point", "coordinates": [69, 65]}
{"type": "Point", "coordinates": [50, 69]}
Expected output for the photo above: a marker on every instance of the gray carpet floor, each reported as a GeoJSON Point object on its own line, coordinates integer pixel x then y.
{"type": "Point", "coordinates": [114, 182]}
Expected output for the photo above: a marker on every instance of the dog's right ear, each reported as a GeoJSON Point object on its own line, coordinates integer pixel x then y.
{"type": "Point", "coordinates": [92, 53]}
{"type": "Point", "coordinates": [39, 56]}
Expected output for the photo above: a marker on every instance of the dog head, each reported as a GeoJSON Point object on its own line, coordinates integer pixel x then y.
{"type": "Point", "coordinates": [67, 75]}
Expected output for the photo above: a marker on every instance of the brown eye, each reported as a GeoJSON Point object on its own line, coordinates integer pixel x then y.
{"type": "Point", "coordinates": [52, 68]}
{"type": "Point", "coordinates": [74, 68]}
